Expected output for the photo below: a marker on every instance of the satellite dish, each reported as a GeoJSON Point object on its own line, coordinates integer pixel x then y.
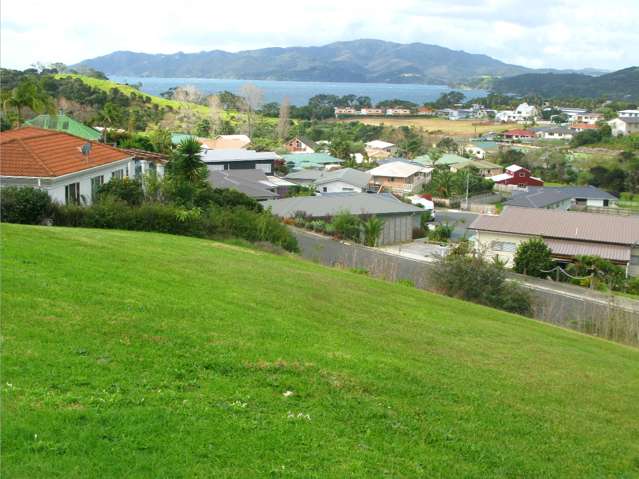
{"type": "Point", "coordinates": [86, 149]}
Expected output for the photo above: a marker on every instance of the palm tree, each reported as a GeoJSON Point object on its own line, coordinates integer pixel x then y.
{"type": "Point", "coordinates": [186, 162]}
{"type": "Point", "coordinates": [372, 228]}
{"type": "Point", "coordinates": [29, 93]}
{"type": "Point", "coordinates": [110, 115]}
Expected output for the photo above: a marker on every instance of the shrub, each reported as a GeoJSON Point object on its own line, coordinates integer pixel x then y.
{"type": "Point", "coordinates": [442, 232]}
{"type": "Point", "coordinates": [533, 257]}
{"type": "Point", "coordinates": [473, 278]}
{"type": "Point", "coordinates": [239, 222]}
{"type": "Point", "coordinates": [347, 226]}
{"type": "Point", "coordinates": [25, 205]}
{"type": "Point", "coordinates": [126, 189]}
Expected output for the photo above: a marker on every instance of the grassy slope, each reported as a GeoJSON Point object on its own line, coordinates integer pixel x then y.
{"type": "Point", "coordinates": [131, 354]}
{"type": "Point", "coordinates": [468, 128]}
{"type": "Point", "coordinates": [107, 85]}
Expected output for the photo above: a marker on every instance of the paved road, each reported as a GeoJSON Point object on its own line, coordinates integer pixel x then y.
{"type": "Point", "coordinates": [461, 220]}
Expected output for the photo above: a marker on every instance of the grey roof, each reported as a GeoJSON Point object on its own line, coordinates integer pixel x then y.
{"type": "Point", "coordinates": [394, 159]}
{"type": "Point", "coordinates": [308, 142]}
{"type": "Point", "coordinates": [226, 155]}
{"type": "Point", "coordinates": [558, 224]}
{"type": "Point", "coordinates": [244, 181]}
{"type": "Point", "coordinates": [630, 119]}
{"type": "Point", "coordinates": [347, 175]}
{"type": "Point", "coordinates": [332, 204]}
{"type": "Point", "coordinates": [542, 196]}
{"type": "Point", "coordinates": [305, 174]}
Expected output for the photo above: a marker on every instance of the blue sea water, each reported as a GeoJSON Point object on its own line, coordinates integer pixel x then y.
{"type": "Point", "coordinates": [298, 92]}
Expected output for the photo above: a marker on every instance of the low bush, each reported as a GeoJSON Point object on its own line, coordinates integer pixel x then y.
{"type": "Point", "coordinates": [473, 278]}
{"type": "Point", "coordinates": [347, 226]}
{"type": "Point", "coordinates": [25, 205]}
{"type": "Point", "coordinates": [125, 189]}
{"type": "Point", "coordinates": [442, 232]}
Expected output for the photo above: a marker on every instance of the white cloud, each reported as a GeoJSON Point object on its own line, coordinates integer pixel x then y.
{"type": "Point", "coordinates": [543, 33]}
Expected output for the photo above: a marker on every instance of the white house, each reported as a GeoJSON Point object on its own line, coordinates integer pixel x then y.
{"type": "Point", "coordinates": [628, 114]}
{"type": "Point", "coordinates": [70, 169]}
{"type": "Point", "coordinates": [380, 145]}
{"type": "Point", "coordinates": [506, 116]}
{"type": "Point", "coordinates": [371, 111]}
{"type": "Point", "coordinates": [400, 176]}
{"type": "Point", "coordinates": [342, 180]}
{"type": "Point", "coordinates": [475, 151]}
{"type": "Point", "coordinates": [624, 126]}
{"type": "Point", "coordinates": [398, 111]}
{"type": "Point", "coordinates": [526, 112]}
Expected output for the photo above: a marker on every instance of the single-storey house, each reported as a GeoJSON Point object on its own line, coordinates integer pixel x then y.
{"type": "Point", "coordinates": [66, 124]}
{"type": "Point", "coordinates": [561, 197]}
{"type": "Point", "coordinates": [579, 127]}
{"type": "Point", "coordinates": [69, 168]}
{"type": "Point", "coordinates": [301, 144]}
{"type": "Point", "coordinates": [253, 183]}
{"type": "Point", "coordinates": [517, 176]}
{"type": "Point", "coordinates": [399, 177]}
{"type": "Point", "coordinates": [567, 234]}
{"type": "Point", "coordinates": [475, 151]}
{"type": "Point", "coordinates": [553, 133]}
{"type": "Point", "coordinates": [519, 135]}
{"type": "Point", "coordinates": [371, 111]}
{"type": "Point", "coordinates": [398, 111]}
{"type": "Point", "coordinates": [399, 218]}
{"type": "Point", "coordinates": [239, 159]}
{"type": "Point", "coordinates": [484, 168]}
{"type": "Point", "coordinates": [296, 161]}
{"type": "Point", "coordinates": [344, 179]}
{"type": "Point", "coordinates": [624, 126]}
{"type": "Point", "coordinates": [305, 177]}
{"type": "Point", "coordinates": [381, 145]}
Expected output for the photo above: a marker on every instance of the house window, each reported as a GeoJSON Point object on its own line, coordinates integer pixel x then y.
{"type": "Point", "coordinates": [504, 246]}
{"type": "Point", "coordinates": [522, 174]}
{"type": "Point", "coordinates": [72, 194]}
{"type": "Point", "coordinates": [117, 174]}
{"type": "Point", "coordinates": [137, 169]}
{"type": "Point", "coordinates": [96, 182]}
{"type": "Point", "coordinates": [324, 189]}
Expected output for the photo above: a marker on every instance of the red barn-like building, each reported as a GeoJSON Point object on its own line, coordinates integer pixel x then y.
{"type": "Point", "coordinates": [517, 176]}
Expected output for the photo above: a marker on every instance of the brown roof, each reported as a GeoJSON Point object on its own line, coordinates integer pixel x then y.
{"type": "Point", "coordinates": [558, 224]}
{"type": "Point", "coordinates": [612, 252]}
{"type": "Point", "coordinates": [146, 155]}
{"type": "Point", "coordinates": [36, 152]}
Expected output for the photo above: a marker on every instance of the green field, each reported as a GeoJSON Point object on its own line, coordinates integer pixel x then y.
{"type": "Point", "coordinates": [146, 355]}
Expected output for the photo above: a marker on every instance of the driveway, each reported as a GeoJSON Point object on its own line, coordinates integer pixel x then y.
{"type": "Point", "coordinates": [417, 249]}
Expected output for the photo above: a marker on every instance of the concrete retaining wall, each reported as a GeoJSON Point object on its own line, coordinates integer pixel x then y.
{"type": "Point", "coordinates": [565, 305]}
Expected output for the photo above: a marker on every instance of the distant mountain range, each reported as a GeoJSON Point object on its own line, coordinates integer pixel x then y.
{"type": "Point", "coordinates": [352, 61]}
{"type": "Point", "coordinates": [619, 85]}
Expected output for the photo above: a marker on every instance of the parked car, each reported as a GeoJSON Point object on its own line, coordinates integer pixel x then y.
{"type": "Point", "coordinates": [424, 201]}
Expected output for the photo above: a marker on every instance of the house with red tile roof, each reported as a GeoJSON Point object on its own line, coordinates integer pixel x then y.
{"type": "Point", "coordinates": [519, 135]}
{"type": "Point", "coordinates": [68, 167]}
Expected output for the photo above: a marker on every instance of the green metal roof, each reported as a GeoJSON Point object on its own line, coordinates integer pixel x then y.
{"type": "Point", "coordinates": [310, 160]}
{"type": "Point", "coordinates": [66, 124]}
{"type": "Point", "coordinates": [176, 138]}
{"type": "Point", "coordinates": [447, 159]}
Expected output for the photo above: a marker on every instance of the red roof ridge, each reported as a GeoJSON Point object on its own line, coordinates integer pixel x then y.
{"type": "Point", "coordinates": [7, 136]}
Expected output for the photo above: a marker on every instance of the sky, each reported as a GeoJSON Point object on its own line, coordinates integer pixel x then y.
{"type": "Point", "coordinates": [534, 33]}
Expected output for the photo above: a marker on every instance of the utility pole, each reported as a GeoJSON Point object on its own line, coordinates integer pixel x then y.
{"type": "Point", "coordinates": [467, 185]}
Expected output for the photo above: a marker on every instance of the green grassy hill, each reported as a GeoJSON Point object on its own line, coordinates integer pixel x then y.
{"type": "Point", "coordinates": [107, 85]}
{"type": "Point", "coordinates": [146, 355]}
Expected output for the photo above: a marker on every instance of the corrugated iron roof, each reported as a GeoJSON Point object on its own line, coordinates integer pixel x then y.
{"type": "Point", "coordinates": [576, 248]}
{"type": "Point", "coordinates": [558, 224]}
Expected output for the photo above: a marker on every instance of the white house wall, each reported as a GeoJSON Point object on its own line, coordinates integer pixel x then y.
{"type": "Point", "coordinates": [337, 187]}
{"type": "Point", "coordinates": [55, 187]}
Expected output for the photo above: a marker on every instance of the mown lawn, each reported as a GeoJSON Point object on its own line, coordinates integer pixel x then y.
{"type": "Point", "coordinates": [146, 355]}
